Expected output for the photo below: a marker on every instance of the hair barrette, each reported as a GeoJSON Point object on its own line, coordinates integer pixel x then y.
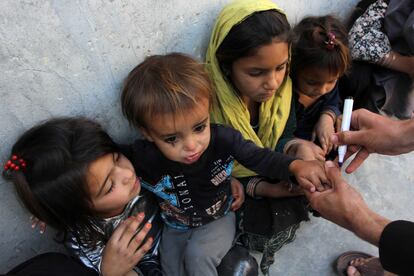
{"type": "Point", "coordinates": [14, 164]}
{"type": "Point", "coordinates": [330, 43]}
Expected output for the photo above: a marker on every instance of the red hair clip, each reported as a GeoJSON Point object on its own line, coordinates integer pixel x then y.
{"type": "Point", "coordinates": [330, 43]}
{"type": "Point", "coordinates": [14, 164]}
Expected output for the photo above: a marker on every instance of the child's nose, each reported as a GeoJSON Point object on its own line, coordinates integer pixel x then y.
{"type": "Point", "coordinates": [126, 175]}
{"type": "Point", "coordinates": [325, 88]}
{"type": "Point", "coordinates": [272, 82]}
{"type": "Point", "coordinates": [189, 144]}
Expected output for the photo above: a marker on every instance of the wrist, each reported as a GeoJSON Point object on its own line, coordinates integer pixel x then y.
{"type": "Point", "coordinates": [406, 132]}
{"type": "Point", "coordinates": [367, 225]}
{"type": "Point", "coordinates": [290, 147]}
{"type": "Point", "coordinates": [329, 114]}
{"type": "Point", "coordinates": [294, 165]}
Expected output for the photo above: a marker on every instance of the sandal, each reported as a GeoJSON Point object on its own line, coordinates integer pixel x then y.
{"type": "Point", "coordinates": [372, 266]}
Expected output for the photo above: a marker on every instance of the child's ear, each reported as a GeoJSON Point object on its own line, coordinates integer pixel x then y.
{"type": "Point", "coordinates": [145, 132]}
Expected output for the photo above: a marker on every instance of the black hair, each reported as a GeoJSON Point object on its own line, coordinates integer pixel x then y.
{"type": "Point", "coordinates": [321, 41]}
{"type": "Point", "coordinates": [244, 39]}
{"type": "Point", "coordinates": [53, 185]}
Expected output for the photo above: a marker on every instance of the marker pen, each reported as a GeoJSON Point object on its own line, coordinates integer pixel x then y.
{"type": "Point", "coordinates": [346, 123]}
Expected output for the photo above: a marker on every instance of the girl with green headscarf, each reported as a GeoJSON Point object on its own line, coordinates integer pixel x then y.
{"type": "Point", "coordinates": [248, 61]}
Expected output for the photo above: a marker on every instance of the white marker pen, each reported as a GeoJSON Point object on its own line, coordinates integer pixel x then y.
{"type": "Point", "coordinates": [346, 123]}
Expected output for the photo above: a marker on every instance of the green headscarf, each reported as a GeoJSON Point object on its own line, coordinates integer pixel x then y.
{"type": "Point", "coordinates": [229, 108]}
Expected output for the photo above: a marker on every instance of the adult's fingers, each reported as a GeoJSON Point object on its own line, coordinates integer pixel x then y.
{"type": "Point", "coordinates": [349, 138]}
{"type": "Point", "coordinates": [333, 174]}
{"type": "Point", "coordinates": [357, 161]}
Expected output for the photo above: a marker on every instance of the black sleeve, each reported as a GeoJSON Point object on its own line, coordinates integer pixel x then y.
{"type": "Point", "coordinates": [290, 128]}
{"type": "Point", "coordinates": [263, 161]}
{"type": "Point", "coordinates": [332, 102]}
{"type": "Point", "coordinates": [396, 247]}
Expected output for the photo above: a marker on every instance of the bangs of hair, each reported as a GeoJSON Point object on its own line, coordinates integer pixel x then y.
{"type": "Point", "coordinates": [164, 85]}
{"type": "Point", "coordinates": [244, 39]}
{"type": "Point", "coordinates": [310, 45]}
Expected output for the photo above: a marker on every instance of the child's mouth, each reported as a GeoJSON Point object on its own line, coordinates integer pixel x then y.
{"type": "Point", "coordinates": [192, 158]}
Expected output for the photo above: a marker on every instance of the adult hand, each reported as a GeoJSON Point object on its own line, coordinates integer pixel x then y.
{"type": "Point", "coordinates": [237, 192]}
{"type": "Point", "coordinates": [344, 205]}
{"type": "Point", "coordinates": [373, 133]}
{"type": "Point", "coordinates": [125, 248]}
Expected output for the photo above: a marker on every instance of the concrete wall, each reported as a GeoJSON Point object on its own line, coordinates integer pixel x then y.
{"type": "Point", "coordinates": [68, 57]}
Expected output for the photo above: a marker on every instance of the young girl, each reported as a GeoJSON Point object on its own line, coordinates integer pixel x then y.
{"type": "Point", "coordinates": [248, 61]}
{"type": "Point", "coordinates": [71, 175]}
{"type": "Point", "coordinates": [189, 162]}
{"type": "Point", "coordinates": [320, 56]}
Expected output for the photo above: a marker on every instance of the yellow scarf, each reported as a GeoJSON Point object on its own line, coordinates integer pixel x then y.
{"type": "Point", "coordinates": [229, 109]}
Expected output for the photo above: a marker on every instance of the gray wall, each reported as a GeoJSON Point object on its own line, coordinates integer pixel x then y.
{"type": "Point", "coordinates": [68, 57]}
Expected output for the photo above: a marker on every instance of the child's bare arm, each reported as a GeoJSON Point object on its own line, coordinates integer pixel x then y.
{"type": "Point", "coordinates": [304, 150]}
{"type": "Point", "coordinates": [324, 128]}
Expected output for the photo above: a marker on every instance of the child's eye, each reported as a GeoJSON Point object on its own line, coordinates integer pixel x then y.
{"type": "Point", "coordinates": [311, 83]}
{"type": "Point", "coordinates": [200, 128]}
{"type": "Point", "coordinates": [281, 67]}
{"type": "Point", "coordinates": [111, 188]}
{"type": "Point", "coordinates": [255, 73]}
{"type": "Point", "coordinates": [171, 139]}
{"type": "Point", "coordinates": [117, 157]}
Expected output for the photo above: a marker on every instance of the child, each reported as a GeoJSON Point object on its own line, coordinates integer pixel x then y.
{"type": "Point", "coordinates": [248, 56]}
{"type": "Point", "coordinates": [189, 163]}
{"type": "Point", "coordinates": [248, 61]}
{"type": "Point", "coordinates": [71, 175]}
{"type": "Point", "coordinates": [320, 56]}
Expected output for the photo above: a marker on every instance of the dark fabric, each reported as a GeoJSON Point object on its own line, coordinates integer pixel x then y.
{"type": "Point", "coordinates": [238, 262]}
{"type": "Point", "coordinates": [358, 11]}
{"type": "Point", "coordinates": [396, 247]}
{"type": "Point", "coordinates": [267, 224]}
{"type": "Point", "coordinates": [269, 215]}
{"type": "Point", "coordinates": [399, 26]}
{"type": "Point", "coordinates": [193, 195]}
{"type": "Point", "coordinates": [377, 88]}
{"type": "Point", "coordinates": [290, 128]}
{"type": "Point", "coordinates": [360, 84]}
{"type": "Point", "coordinates": [307, 118]}
{"type": "Point", "coordinates": [52, 264]}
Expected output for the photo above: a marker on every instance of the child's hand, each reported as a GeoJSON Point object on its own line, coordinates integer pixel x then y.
{"type": "Point", "coordinates": [323, 131]}
{"type": "Point", "coordinates": [309, 174]}
{"type": "Point", "coordinates": [237, 192]}
{"type": "Point", "coordinates": [125, 248]}
{"type": "Point", "coordinates": [306, 150]}
{"type": "Point", "coordinates": [35, 222]}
